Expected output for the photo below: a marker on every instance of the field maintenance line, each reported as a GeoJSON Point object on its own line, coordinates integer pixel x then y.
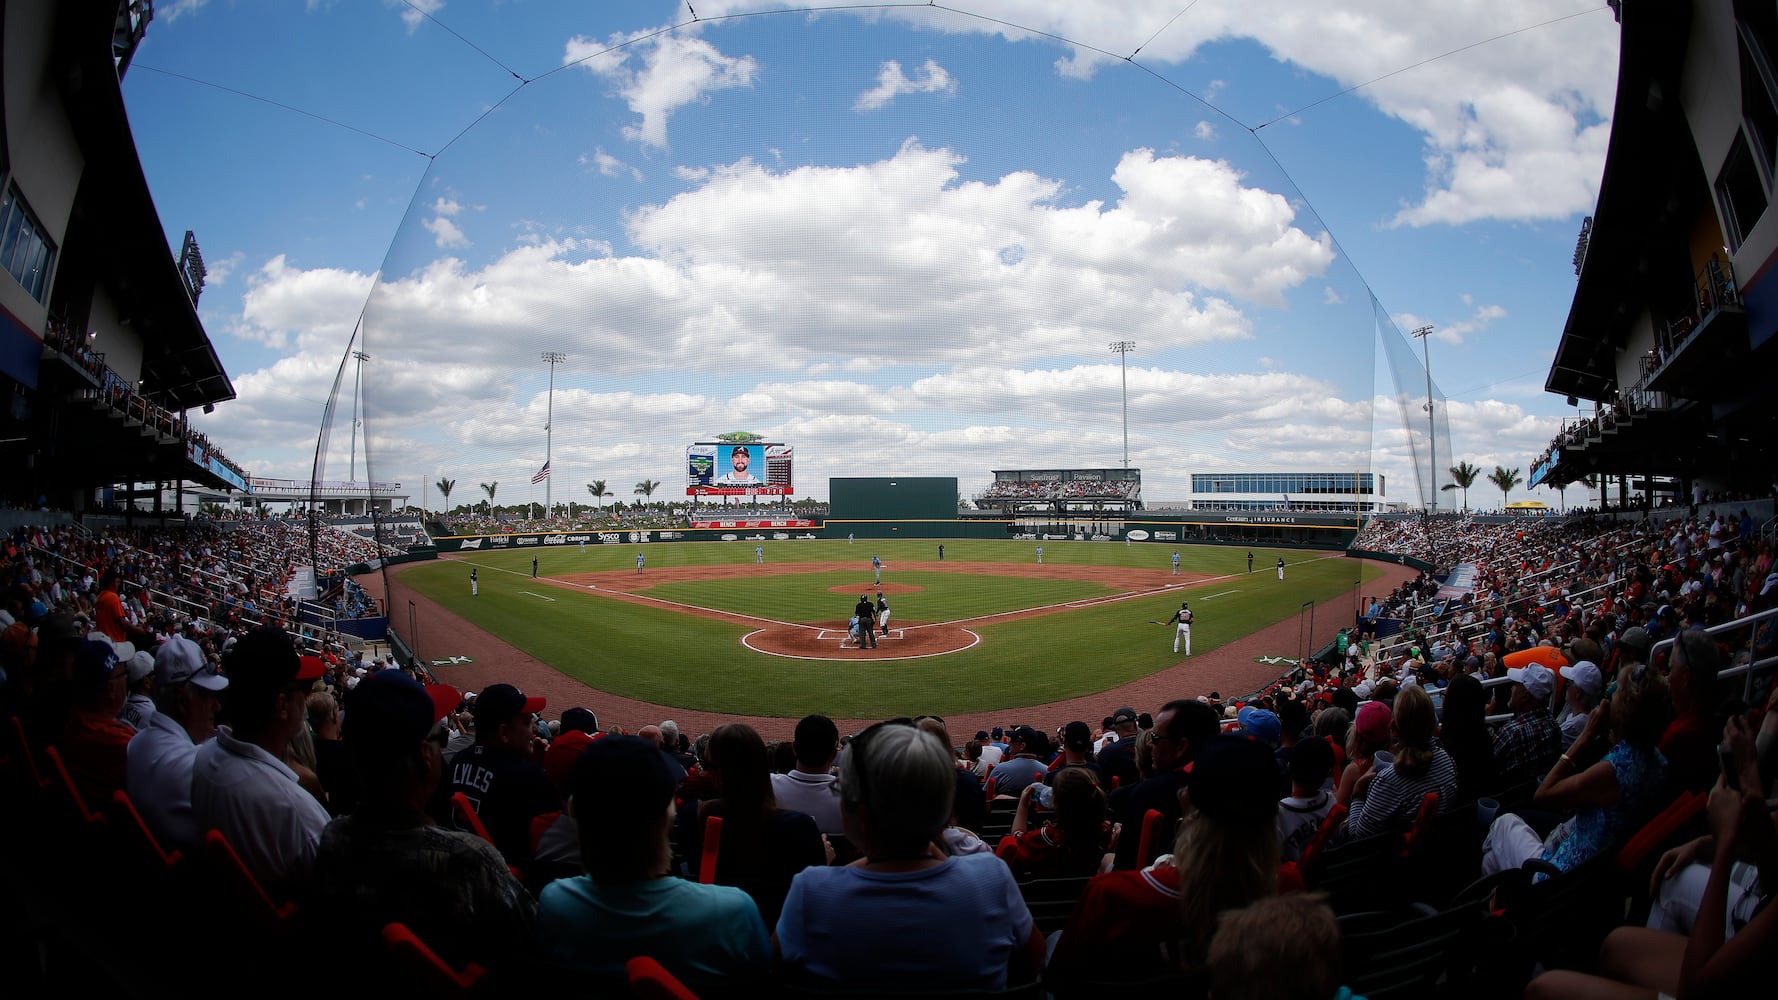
{"type": "Point", "coordinates": [1223, 594]}
{"type": "Point", "coordinates": [538, 596]}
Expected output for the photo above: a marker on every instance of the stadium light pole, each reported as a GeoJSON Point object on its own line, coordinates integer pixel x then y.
{"type": "Point", "coordinates": [1424, 334]}
{"type": "Point", "coordinates": [554, 358]}
{"type": "Point", "coordinates": [357, 388]}
{"type": "Point", "coordinates": [1123, 348]}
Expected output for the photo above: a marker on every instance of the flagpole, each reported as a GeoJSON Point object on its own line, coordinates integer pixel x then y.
{"type": "Point", "coordinates": [554, 358]}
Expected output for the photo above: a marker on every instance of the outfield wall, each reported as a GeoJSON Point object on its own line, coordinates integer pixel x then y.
{"type": "Point", "coordinates": [1215, 528]}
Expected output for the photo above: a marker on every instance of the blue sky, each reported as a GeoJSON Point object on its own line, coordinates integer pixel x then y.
{"type": "Point", "coordinates": [899, 239]}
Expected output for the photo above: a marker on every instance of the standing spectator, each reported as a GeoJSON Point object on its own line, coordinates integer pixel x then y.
{"type": "Point", "coordinates": [388, 861]}
{"type": "Point", "coordinates": [629, 903]}
{"type": "Point", "coordinates": [157, 771]}
{"type": "Point", "coordinates": [240, 784]}
{"type": "Point", "coordinates": [957, 922]}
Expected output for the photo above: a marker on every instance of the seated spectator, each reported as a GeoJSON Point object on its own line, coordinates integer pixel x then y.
{"type": "Point", "coordinates": [94, 742]}
{"type": "Point", "coordinates": [1300, 815]}
{"type": "Point", "coordinates": [333, 763]}
{"type": "Point", "coordinates": [628, 903]}
{"type": "Point", "coordinates": [1463, 732]}
{"type": "Point", "coordinates": [157, 772]}
{"type": "Point", "coordinates": [1071, 841]}
{"type": "Point", "coordinates": [969, 813]}
{"type": "Point", "coordinates": [763, 846]}
{"type": "Point", "coordinates": [1689, 744]}
{"type": "Point", "coordinates": [497, 774]}
{"type": "Point", "coordinates": [1180, 728]}
{"type": "Point", "coordinates": [1531, 741]}
{"type": "Point", "coordinates": [139, 703]}
{"type": "Point", "coordinates": [1388, 800]}
{"type": "Point", "coordinates": [809, 787]}
{"type": "Point", "coordinates": [1280, 948]}
{"type": "Point", "coordinates": [1077, 751]}
{"type": "Point", "coordinates": [388, 861]}
{"type": "Point", "coordinates": [1029, 762]}
{"type": "Point", "coordinates": [1146, 923]}
{"type": "Point", "coordinates": [1372, 732]}
{"type": "Point", "coordinates": [239, 782]}
{"type": "Point", "coordinates": [1117, 761]}
{"type": "Point", "coordinates": [1585, 685]}
{"type": "Point", "coordinates": [956, 922]}
{"type": "Point", "coordinates": [1608, 799]}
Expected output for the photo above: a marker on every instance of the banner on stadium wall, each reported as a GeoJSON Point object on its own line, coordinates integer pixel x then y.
{"type": "Point", "coordinates": [793, 523]}
{"type": "Point", "coordinates": [496, 543]}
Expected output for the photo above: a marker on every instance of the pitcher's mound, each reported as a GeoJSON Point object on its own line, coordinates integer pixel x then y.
{"type": "Point", "coordinates": [831, 641]}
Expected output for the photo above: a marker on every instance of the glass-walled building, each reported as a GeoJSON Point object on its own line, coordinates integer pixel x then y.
{"type": "Point", "coordinates": [1299, 491]}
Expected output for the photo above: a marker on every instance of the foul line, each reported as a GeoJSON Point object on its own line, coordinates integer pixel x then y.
{"type": "Point", "coordinates": [1223, 594]}
{"type": "Point", "coordinates": [538, 596]}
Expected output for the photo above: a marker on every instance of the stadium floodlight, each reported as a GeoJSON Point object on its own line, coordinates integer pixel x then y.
{"type": "Point", "coordinates": [1123, 348]}
{"type": "Point", "coordinates": [554, 358]}
{"type": "Point", "coordinates": [1424, 333]}
{"type": "Point", "coordinates": [357, 389]}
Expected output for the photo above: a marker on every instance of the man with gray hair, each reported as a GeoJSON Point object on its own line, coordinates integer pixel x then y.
{"type": "Point", "coordinates": [158, 761]}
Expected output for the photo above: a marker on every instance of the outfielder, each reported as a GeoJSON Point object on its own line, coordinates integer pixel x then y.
{"type": "Point", "coordinates": [1280, 567]}
{"type": "Point", "coordinates": [759, 554]}
{"type": "Point", "coordinates": [1040, 555]}
{"type": "Point", "coordinates": [475, 589]}
{"type": "Point", "coordinates": [638, 564]}
{"type": "Point", "coordinates": [1183, 633]}
{"type": "Point", "coordinates": [1175, 563]}
{"type": "Point", "coordinates": [883, 613]}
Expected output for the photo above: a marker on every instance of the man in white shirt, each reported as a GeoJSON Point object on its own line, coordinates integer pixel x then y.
{"type": "Point", "coordinates": [157, 767]}
{"type": "Point", "coordinates": [240, 784]}
{"type": "Point", "coordinates": [811, 786]}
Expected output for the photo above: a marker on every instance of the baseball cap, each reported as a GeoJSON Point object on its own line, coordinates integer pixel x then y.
{"type": "Point", "coordinates": [1235, 781]}
{"type": "Point", "coordinates": [1373, 720]}
{"type": "Point", "coordinates": [499, 704]}
{"type": "Point", "coordinates": [1260, 724]}
{"type": "Point", "coordinates": [264, 660]}
{"type": "Point", "coordinates": [1539, 682]}
{"type": "Point", "coordinates": [1122, 715]}
{"type": "Point", "coordinates": [564, 750]}
{"type": "Point", "coordinates": [580, 720]}
{"type": "Point", "coordinates": [1077, 736]}
{"type": "Point", "coordinates": [94, 660]}
{"type": "Point", "coordinates": [1771, 581]}
{"type": "Point", "coordinates": [982, 735]}
{"type": "Point", "coordinates": [141, 665]}
{"type": "Point", "coordinates": [623, 781]}
{"type": "Point", "coordinates": [386, 714]}
{"type": "Point", "coordinates": [444, 700]}
{"type": "Point", "coordinates": [1583, 649]}
{"type": "Point", "coordinates": [179, 660]}
{"type": "Point", "coordinates": [1635, 637]}
{"type": "Point", "coordinates": [1587, 675]}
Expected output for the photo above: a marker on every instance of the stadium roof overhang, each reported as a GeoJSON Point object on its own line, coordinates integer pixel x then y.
{"type": "Point", "coordinates": [1642, 200]}
{"type": "Point", "coordinates": [115, 231]}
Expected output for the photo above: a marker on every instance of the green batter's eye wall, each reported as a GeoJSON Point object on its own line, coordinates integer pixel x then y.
{"type": "Point", "coordinates": [893, 498]}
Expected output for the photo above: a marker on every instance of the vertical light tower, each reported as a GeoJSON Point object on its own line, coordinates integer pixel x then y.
{"type": "Point", "coordinates": [357, 388]}
{"type": "Point", "coordinates": [554, 358]}
{"type": "Point", "coordinates": [1123, 348]}
{"type": "Point", "coordinates": [1424, 334]}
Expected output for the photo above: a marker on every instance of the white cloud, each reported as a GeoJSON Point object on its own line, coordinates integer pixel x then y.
{"type": "Point", "coordinates": [932, 79]}
{"type": "Point", "coordinates": [447, 206]}
{"type": "Point", "coordinates": [1331, 296]}
{"type": "Point", "coordinates": [177, 9]}
{"type": "Point", "coordinates": [610, 166]}
{"type": "Point", "coordinates": [1204, 130]}
{"type": "Point", "coordinates": [414, 12]}
{"type": "Point", "coordinates": [217, 272]}
{"type": "Point", "coordinates": [676, 69]}
{"type": "Point", "coordinates": [445, 233]}
{"type": "Point", "coordinates": [289, 306]}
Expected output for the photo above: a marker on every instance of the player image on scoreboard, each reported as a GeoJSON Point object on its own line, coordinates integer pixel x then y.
{"type": "Point", "coordinates": [700, 460]}
{"type": "Point", "coordinates": [778, 458]}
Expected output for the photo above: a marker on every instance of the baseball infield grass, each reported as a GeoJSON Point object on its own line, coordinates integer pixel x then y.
{"type": "Point", "coordinates": [673, 658]}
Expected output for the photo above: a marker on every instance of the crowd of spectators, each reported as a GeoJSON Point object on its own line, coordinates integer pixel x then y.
{"type": "Point", "coordinates": [905, 854]}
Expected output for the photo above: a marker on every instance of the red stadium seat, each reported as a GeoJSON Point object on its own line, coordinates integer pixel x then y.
{"type": "Point", "coordinates": [712, 848]}
{"type": "Point", "coordinates": [62, 787]}
{"type": "Point", "coordinates": [1151, 831]}
{"type": "Point", "coordinates": [433, 975]}
{"type": "Point", "coordinates": [236, 879]}
{"type": "Point", "coordinates": [140, 838]}
{"type": "Point", "coordinates": [649, 980]}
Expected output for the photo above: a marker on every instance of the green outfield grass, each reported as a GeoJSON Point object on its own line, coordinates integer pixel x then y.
{"type": "Point", "coordinates": [670, 658]}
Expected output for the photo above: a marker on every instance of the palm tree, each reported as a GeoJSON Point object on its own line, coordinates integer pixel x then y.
{"type": "Point", "coordinates": [646, 487]}
{"type": "Point", "coordinates": [490, 489]}
{"type": "Point", "coordinates": [445, 486]}
{"type": "Point", "coordinates": [1463, 476]}
{"type": "Point", "coordinates": [597, 489]}
{"type": "Point", "coordinates": [1506, 479]}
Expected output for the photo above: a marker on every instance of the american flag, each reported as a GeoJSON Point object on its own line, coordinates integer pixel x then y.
{"type": "Point", "coordinates": [542, 474]}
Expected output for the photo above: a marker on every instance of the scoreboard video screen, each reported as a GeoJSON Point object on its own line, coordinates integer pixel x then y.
{"type": "Point", "coordinates": [738, 470]}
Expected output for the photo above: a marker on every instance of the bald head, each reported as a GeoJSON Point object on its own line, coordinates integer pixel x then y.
{"type": "Point", "coordinates": [650, 733]}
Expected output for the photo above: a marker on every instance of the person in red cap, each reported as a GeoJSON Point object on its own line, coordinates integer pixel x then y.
{"type": "Point", "coordinates": [240, 784]}
{"type": "Point", "coordinates": [498, 774]}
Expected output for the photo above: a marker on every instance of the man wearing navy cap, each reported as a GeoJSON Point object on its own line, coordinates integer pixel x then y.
{"type": "Point", "coordinates": [503, 784]}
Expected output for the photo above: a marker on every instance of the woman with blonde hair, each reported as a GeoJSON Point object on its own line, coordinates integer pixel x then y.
{"type": "Point", "coordinates": [1227, 851]}
{"type": "Point", "coordinates": [1388, 798]}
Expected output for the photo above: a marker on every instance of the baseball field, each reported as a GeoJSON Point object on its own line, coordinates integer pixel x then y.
{"type": "Point", "coordinates": [706, 626]}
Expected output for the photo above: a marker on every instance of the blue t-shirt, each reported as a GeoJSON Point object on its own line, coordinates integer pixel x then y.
{"type": "Point", "coordinates": [952, 926]}
{"type": "Point", "coordinates": [1642, 784]}
{"type": "Point", "coordinates": [702, 934]}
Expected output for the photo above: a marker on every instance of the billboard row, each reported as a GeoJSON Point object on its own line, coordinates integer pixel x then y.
{"type": "Point", "coordinates": [738, 470]}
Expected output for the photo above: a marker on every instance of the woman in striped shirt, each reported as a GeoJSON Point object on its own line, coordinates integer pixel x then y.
{"type": "Point", "coordinates": [1389, 800]}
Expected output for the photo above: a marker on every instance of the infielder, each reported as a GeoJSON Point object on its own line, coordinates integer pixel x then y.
{"type": "Point", "coordinates": [1280, 567]}
{"type": "Point", "coordinates": [1250, 562]}
{"type": "Point", "coordinates": [1176, 564]}
{"type": "Point", "coordinates": [533, 567]}
{"type": "Point", "coordinates": [883, 613]}
{"type": "Point", "coordinates": [638, 564]}
{"type": "Point", "coordinates": [1183, 619]}
{"type": "Point", "coordinates": [759, 554]}
{"type": "Point", "coordinates": [876, 566]}
{"type": "Point", "coordinates": [475, 589]}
